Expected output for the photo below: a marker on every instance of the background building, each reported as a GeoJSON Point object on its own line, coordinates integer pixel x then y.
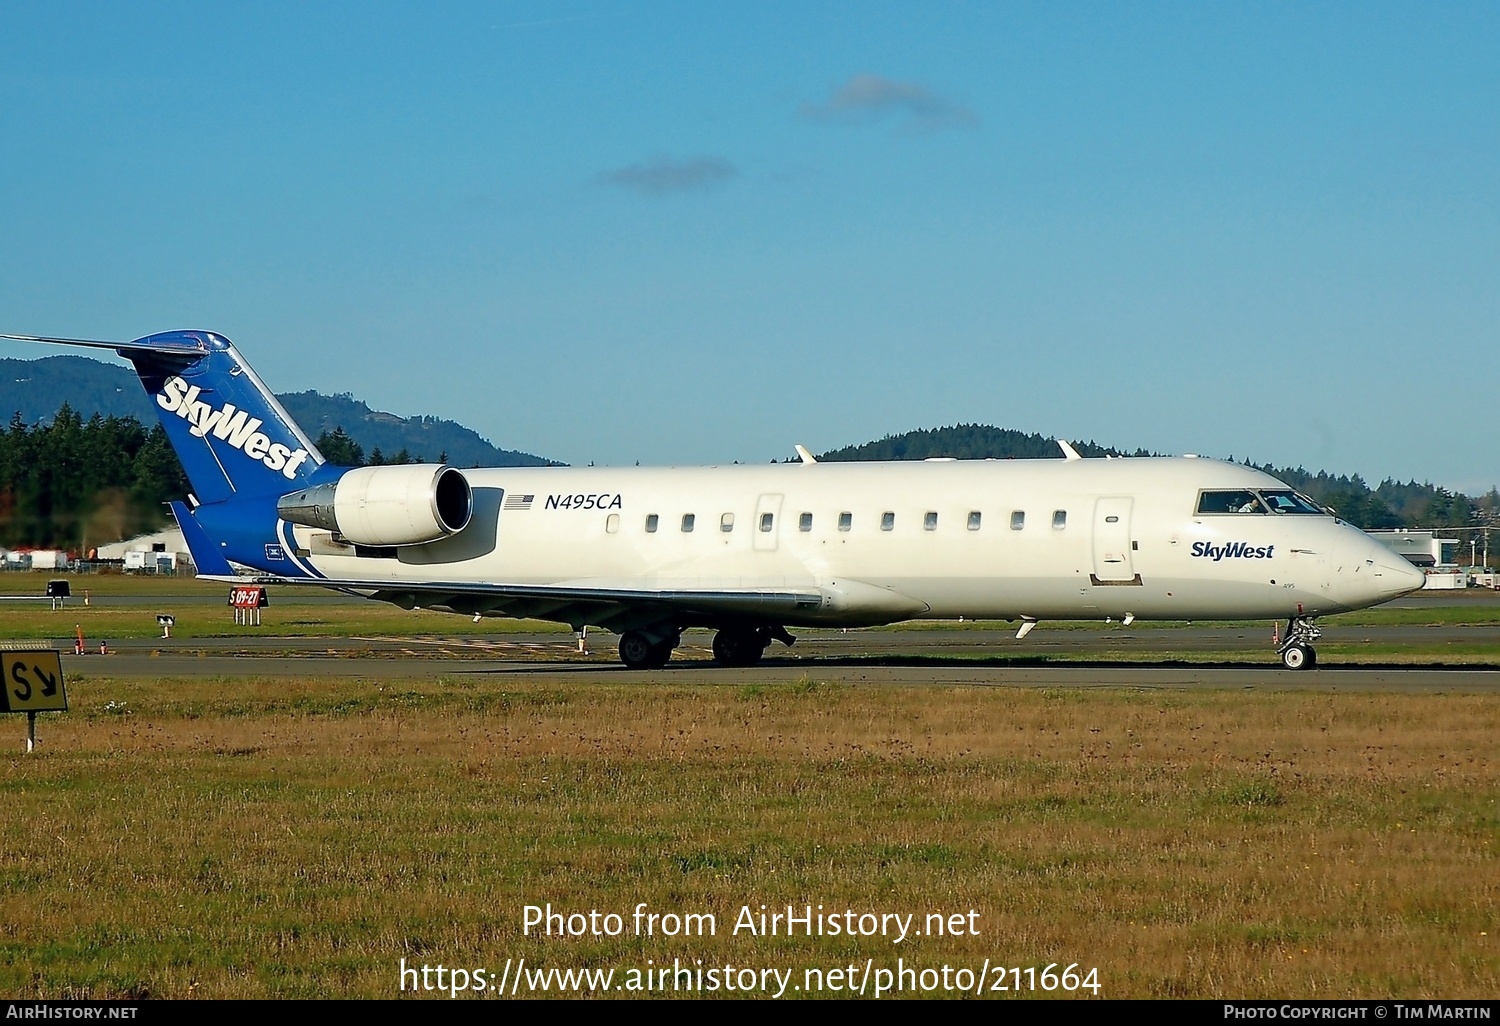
{"type": "Point", "coordinates": [161, 552]}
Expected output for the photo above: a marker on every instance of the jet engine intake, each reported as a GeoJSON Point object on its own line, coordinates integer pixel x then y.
{"type": "Point", "coordinates": [393, 505]}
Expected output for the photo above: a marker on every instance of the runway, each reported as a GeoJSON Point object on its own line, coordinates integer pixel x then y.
{"type": "Point", "coordinates": [1216, 657]}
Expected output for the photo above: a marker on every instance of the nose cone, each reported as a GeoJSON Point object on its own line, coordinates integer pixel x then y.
{"type": "Point", "coordinates": [1397, 577]}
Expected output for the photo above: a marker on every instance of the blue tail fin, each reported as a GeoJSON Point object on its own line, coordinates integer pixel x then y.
{"type": "Point", "coordinates": [232, 436]}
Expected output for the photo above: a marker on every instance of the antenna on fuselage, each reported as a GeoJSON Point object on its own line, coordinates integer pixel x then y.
{"type": "Point", "coordinates": [804, 455]}
{"type": "Point", "coordinates": [1069, 453]}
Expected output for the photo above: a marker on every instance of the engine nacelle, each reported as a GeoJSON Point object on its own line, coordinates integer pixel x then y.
{"type": "Point", "coordinates": [398, 505]}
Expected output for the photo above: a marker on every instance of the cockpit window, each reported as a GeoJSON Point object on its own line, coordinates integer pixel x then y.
{"type": "Point", "coordinates": [1290, 502]}
{"type": "Point", "coordinates": [1229, 502]}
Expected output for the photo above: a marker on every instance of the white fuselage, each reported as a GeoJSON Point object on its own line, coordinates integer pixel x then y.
{"type": "Point", "coordinates": [891, 541]}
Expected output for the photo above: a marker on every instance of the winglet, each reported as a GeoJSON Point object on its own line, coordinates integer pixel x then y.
{"type": "Point", "coordinates": [804, 455]}
{"type": "Point", "coordinates": [1069, 453]}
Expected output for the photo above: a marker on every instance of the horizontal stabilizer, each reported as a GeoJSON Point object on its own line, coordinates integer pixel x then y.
{"type": "Point", "coordinates": [182, 343]}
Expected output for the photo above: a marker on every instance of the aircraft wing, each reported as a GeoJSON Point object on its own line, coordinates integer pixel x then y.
{"type": "Point", "coordinates": [614, 609]}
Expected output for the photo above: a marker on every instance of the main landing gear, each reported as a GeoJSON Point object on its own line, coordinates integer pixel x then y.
{"type": "Point", "coordinates": [1297, 652]}
{"type": "Point", "coordinates": [743, 646]}
{"type": "Point", "coordinates": [733, 646]}
{"type": "Point", "coordinates": [642, 651]}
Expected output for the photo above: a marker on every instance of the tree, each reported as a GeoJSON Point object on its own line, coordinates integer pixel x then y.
{"type": "Point", "coordinates": [157, 476]}
{"type": "Point", "coordinates": [341, 450]}
{"type": "Point", "coordinates": [965, 442]}
{"type": "Point", "coordinates": [76, 485]}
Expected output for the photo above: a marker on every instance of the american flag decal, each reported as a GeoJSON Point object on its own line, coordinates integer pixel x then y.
{"type": "Point", "coordinates": [513, 501]}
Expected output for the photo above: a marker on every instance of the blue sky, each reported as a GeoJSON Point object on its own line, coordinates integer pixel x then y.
{"type": "Point", "coordinates": [691, 233]}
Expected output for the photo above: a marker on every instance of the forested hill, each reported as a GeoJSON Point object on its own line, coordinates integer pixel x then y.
{"type": "Point", "coordinates": [38, 388]}
{"type": "Point", "coordinates": [1390, 504]}
{"type": "Point", "coordinates": [966, 442]}
{"type": "Point", "coordinates": [425, 438]}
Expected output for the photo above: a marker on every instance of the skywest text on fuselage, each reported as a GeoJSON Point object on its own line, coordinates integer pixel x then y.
{"type": "Point", "coordinates": [1232, 550]}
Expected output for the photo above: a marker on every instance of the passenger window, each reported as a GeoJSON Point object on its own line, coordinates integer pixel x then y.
{"type": "Point", "coordinates": [726, 523]}
{"type": "Point", "coordinates": [1059, 519]}
{"type": "Point", "coordinates": [846, 521]}
{"type": "Point", "coordinates": [929, 522]}
{"type": "Point", "coordinates": [1229, 502]}
{"type": "Point", "coordinates": [1017, 520]}
{"type": "Point", "coordinates": [612, 524]}
{"type": "Point", "coordinates": [974, 520]}
{"type": "Point", "coordinates": [804, 522]}
{"type": "Point", "coordinates": [766, 520]}
{"type": "Point", "coordinates": [887, 521]}
{"type": "Point", "coordinates": [651, 522]}
{"type": "Point", "coordinates": [687, 523]}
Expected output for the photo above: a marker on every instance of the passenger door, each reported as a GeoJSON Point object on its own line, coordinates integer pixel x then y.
{"type": "Point", "coordinates": [1112, 559]}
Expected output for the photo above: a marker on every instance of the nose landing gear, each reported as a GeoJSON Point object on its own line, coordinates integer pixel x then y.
{"type": "Point", "coordinates": [1296, 651]}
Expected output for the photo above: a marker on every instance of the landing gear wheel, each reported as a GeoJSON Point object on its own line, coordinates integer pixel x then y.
{"type": "Point", "coordinates": [662, 653]}
{"type": "Point", "coordinates": [739, 647]}
{"type": "Point", "coordinates": [1297, 649]}
{"type": "Point", "coordinates": [639, 652]}
{"type": "Point", "coordinates": [1298, 657]}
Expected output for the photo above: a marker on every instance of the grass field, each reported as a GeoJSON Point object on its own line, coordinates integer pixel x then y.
{"type": "Point", "coordinates": [263, 836]}
{"type": "Point", "coordinates": [291, 837]}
